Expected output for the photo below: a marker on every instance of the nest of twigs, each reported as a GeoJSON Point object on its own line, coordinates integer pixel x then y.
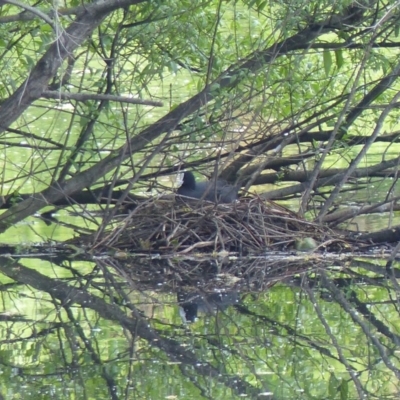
{"type": "Point", "coordinates": [250, 225]}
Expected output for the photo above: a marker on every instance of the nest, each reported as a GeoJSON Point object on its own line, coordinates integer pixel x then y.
{"type": "Point", "coordinates": [250, 225]}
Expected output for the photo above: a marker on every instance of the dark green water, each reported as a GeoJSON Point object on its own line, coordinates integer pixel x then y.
{"type": "Point", "coordinates": [300, 327]}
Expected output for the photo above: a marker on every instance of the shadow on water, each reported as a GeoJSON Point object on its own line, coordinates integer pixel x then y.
{"type": "Point", "coordinates": [304, 327]}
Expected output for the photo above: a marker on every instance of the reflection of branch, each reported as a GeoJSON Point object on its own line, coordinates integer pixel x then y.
{"type": "Point", "coordinates": [273, 324]}
{"type": "Point", "coordinates": [134, 323]}
{"type": "Point", "coordinates": [349, 368]}
{"type": "Point", "coordinates": [364, 310]}
{"type": "Point", "coordinates": [354, 314]}
{"type": "Point", "coordinates": [48, 94]}
{"type": "Point", "coordinates": [108, 377]}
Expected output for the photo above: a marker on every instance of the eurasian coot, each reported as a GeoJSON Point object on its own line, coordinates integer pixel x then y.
{"type": "Point", "coordinates": [192, 304]}
{"type": "Point", "coordinates": [217, 191]}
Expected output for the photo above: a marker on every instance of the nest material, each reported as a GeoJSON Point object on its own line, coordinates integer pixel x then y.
{"type": "Point", "coordinates": [247, 226]}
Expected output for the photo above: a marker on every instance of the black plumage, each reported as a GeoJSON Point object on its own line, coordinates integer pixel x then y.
{"type": "Point", "coordinates": [217, 190]}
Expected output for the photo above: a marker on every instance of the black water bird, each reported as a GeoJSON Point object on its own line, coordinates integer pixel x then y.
{"type": "Point", "coordinates": [192, 304]}
{"type": "Point", "coordinates": [217, 191]}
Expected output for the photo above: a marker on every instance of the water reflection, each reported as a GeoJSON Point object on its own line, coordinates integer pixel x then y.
{"type": "Point", "coordinates": [297, 328]}
{"type": "Point", "coordinates": [192, 304]}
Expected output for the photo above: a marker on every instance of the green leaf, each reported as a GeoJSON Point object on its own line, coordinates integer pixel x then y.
{"type": "Point", "coordinates": [173, 67]}
{"type": "Point", "coordinates": [29, 61]}
{"type": "Point", "coordinates": [344, 390]}
{"type": "Point", "coordinates": [83, 121]}
{"type": "Point", "coordinates": [339, 58]}
{"type": "Point", "coordinates": [327, 62]}
{"type": "Point", "coordinates": [333, 386]}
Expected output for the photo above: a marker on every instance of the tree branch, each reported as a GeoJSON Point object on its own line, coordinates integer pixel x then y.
{"type": "Point", "coordinates": [32, 10]}
{"type": "Point", "coordinates": [69, 40]}
{"type": "Point", "coordinates": [49, 94]}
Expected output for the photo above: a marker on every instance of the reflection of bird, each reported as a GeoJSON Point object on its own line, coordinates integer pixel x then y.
{"type": "Point", "coordinates": [217, 190]}
{"type": "Point", "coordinates": [193, 303]}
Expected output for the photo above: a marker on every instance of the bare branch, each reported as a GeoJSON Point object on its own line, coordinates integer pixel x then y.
{"type": "Point", "coordinates": [69, 40]}
{"type": "Point", "coordinates": [49, 94]}
{"type": "Point", "coordinates": [31, 9]}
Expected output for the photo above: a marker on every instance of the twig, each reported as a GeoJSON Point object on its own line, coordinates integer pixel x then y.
{"type": "Point", "coordinates": [32, 10]}
{"type": "Point", "coordinates": [49, 94]}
